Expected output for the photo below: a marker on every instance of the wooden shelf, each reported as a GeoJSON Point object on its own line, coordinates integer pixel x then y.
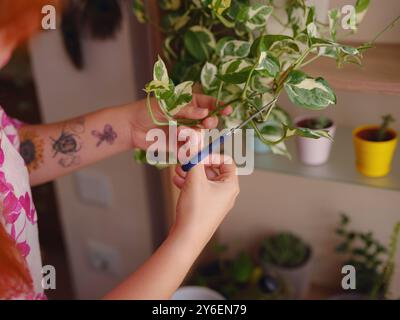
{"type": "Point", "coordinates": [380, 72]}
{"type": "Point", "coordinates": [339, 168]}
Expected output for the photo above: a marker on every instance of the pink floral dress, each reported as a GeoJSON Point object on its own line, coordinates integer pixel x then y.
{"type": "Point", "coordinates": [18, 211]}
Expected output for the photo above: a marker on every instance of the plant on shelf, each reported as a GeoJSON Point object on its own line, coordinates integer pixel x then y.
{"type": "Point", "coordinates": [375, 147]}
{"type": "Point", "coordinates": [284, 250]}
{"type": "Point", "coordinates": [367, 255]}
{"type": "Point", "coordinates": [289, 256]}
{"type": "Point", "coordinates": [226, 46]}
{"type": "Point", "coordinates": [239, 278]}
{"type": "Point", "coordinates": [383, 133]}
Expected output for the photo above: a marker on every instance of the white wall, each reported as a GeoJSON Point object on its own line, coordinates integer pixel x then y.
{"type": "Point", "coordinates": [108, 79]}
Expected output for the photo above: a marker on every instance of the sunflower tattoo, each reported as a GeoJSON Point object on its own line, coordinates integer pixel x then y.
{"type": "Point", "coordinates": [31, 150]}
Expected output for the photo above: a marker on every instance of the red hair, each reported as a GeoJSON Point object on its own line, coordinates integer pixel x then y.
{"type": "Point", "coordinates": [15, 279]}
{"type": "Point", "coordinates": [21, 18]}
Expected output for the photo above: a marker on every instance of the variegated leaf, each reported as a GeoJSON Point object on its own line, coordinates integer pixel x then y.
{"type": "Point", "coordinates": [235, 49]}
{"type": "Point", "coordinates": [308, 92]}
{"type": "Point", "coordinates": [209, 76]}
{"type": "Point", "coordinates": [160, 72]}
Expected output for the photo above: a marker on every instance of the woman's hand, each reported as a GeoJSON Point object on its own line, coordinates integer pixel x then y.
{"type": "Point", "coordinates": [198, 109]}
{"type": "Point", "coordinates": [208, 193]}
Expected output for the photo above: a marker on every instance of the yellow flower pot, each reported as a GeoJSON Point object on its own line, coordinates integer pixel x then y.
{"type": "Point", "coordinates": [373, 158]}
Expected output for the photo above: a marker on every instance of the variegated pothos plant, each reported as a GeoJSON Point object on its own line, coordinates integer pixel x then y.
{"type": "Point", "coordinates": [227, 47]}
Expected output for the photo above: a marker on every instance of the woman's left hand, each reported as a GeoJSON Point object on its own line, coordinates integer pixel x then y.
{"type": "Point", "coordinates": [198, 109]}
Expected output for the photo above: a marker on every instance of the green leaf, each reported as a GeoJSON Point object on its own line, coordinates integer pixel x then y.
{"type": "Point", "coordinates": [261, 84]}
{"type": "Point", "coordinates": [334, 22]}
{"type": "Point", "coordinates": [307, 133]}
{"type": "Point", "coordinates": [170, 4]}
{"type": "Point", "coordinates": [241, 268]}
{"type": "Point", "coordinates": [235, 49]}
{"type": "Point", "coordinates": [307, 92]}
{"type": "Point", "coordinates": [199, 42]}
{"type": "Point", "coordinates": [139, 11]}
{"type": "Point", "coordinates": [174, 21]}
{"type": "Point", "coordinates": [160, 72]}
{"type": "Point", "coordinates": [255, 16]}
{"type": "Point", "coordinates": [361, 9]}
{"type": "Point", "coordinates": [220, 6]}
{"type": "Point", "coordinates": [172, 101]}
{"type": "Point", "coordinates": [267, 62]}
{"type": "Point", "coordinates": [265, 42]}
{"type": "Point", "coordinates": [140, 156]}
{"type": "Point", "coordinates": [209, 76]}
{"type": "Point", "coordinates": [235, 71]}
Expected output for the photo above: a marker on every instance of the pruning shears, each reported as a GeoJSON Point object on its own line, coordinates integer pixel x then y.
{"type": "Point", "coordinates": [221, 139]}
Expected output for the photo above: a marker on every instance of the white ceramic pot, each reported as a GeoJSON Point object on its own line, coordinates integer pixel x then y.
{"type": "Point", "coordinates": [196, 293]}
{"type": "Point", "coordinates": [297, 279]}
{"type": "Point", "coordinates": [314, 152]}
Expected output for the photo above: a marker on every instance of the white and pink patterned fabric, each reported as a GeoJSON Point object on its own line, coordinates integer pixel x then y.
{"type": "Point", "coordinates": [18, 211]}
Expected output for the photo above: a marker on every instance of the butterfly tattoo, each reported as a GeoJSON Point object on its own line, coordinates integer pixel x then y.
{"type": "Point", "coordinates": [108, 135]}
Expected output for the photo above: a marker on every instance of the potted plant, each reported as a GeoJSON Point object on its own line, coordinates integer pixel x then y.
{"type": "Point", "coordinates": [240, 277]}
{"type": "Point", "coordinates": [314, 151]}
{"type": "Point", "coordinates": [375, 147]}
{"type": "Point", "coordinates": [374, 263]}
{"type": "Point", "coordinates": [290, 257]}
{"type": "Point", "coordinates": [225, 46]}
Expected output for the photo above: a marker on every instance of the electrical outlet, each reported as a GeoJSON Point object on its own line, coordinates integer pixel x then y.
{"type": "Point", "coordinates": [94, 188]}
{"type": "Point", "coordinates": [104, 258]}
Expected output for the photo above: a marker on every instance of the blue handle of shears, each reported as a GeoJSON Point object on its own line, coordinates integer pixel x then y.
{"type": "Point", "coordinates": [203, 153]}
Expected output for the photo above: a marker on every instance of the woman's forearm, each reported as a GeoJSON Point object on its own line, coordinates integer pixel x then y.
{"type": "Point", "coordinates": [53, 150]}
{"type": "Point", "coordinates": [160, 276]}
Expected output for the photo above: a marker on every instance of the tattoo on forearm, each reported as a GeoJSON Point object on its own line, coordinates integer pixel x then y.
{"type": "Point", "coordinates": [108, 135]}
{"type": "Point", "coordinates": [31, 150]}
{"type": "Point", "coordinates": [68, 144]}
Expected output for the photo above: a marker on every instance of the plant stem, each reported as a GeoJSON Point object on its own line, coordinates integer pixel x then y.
{"type": "Point", "coordinates": [150, 109]}
{"type": "Point", "coordinates": [388, 27]}
{"type": "Point", "coordinates": [309, 61]}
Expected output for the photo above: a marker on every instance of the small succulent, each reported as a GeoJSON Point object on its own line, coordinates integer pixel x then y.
{"type": "Point", "coordinates": [284, 250]}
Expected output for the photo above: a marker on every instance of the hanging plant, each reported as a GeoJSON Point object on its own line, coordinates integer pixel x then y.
{"type": "Point", "coordinates": [226, 46]}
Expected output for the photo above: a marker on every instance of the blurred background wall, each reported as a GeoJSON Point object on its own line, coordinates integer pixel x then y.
{"type": "Point", "coordinates": [105, 241]}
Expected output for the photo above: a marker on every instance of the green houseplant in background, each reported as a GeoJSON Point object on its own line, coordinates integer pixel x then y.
{"type": "Point", "coordinates": [375, 147]}
{"type": "Point", "coordinates": [225, 46]}
{"type": "Point", "coordinates": [289, 256]}
{"type": "Point", "coordinates": [240, 277]}
{"type": "Point", "coordinates": [374, 263]}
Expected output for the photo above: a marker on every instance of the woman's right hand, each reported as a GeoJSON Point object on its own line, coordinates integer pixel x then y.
{"type": "Point", "coordinates": [208, 193]}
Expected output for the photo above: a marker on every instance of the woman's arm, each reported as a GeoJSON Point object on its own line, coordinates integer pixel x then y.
{"type": "Point", "coordinates": [207, 195]}
{"type": "Point", "coordinates": [53, 150]}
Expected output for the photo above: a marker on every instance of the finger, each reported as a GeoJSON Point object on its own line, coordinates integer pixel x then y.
{"type": "Point", "coordinates": [227, 111]}
{"type": "Point", "coordinates": [192, 111]}
{"type": "Point", "coordinates": [210, 122]}
{"type": "Point", "coordinates": [178, 181]}
{"type": "Point", "coordinates": [203, 101]}
{"type": "Point", "coordinates": [179, 171]}
{"type": "Point", "coordinates": [225, 164]}
{"type": "Point", "coordinates": [211, 173]}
